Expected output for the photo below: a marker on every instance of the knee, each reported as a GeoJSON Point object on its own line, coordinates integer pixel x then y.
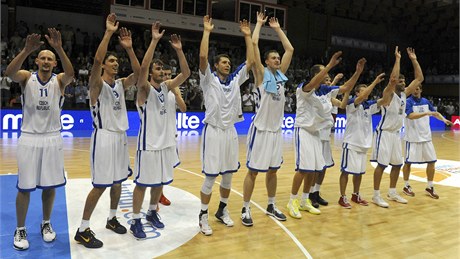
{"type": "Point", "coordinates": [207, 185]}
{"type": "Point", "coordinates": [253, 174]}
{"type": "Point", "coordinates": [226, 182]}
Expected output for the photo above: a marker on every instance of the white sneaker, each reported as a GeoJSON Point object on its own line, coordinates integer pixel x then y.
{"type": "Point", "coordinates": [224, 217]}
{"type": "Point", "coordinates": [379, 201]}
{"type": "Point", "coordinates": [20, 239]}
{"type": "Point", "coordinates": [307, 206]}
{"type": "Point", "coordinates": [48, 233]}
{"type": "Point", "coordinates": [396, 197]}
{"type": "Point", "coordinates": [204, 225]}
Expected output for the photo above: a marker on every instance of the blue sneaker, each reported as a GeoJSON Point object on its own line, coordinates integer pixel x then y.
{"type": "Point", "coordinates": [137, 229]}
{"type": "Point", "coordinates": [154, 220]}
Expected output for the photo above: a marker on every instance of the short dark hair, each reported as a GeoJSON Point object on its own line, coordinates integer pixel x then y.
{"type": "Point", "coordinates": [157, 62]}
{"type": "Point", "coordinates": [108, 54]}
{"type": "Point", "coordinates": [315, 70]}
{"type": "Point", "coordinates": [166, 67]}
{"type": "Point", "coordinates": [358, 87]}
{"type": "Point", "coordinates": [401, 76]}
{"type": "Point", "coordinates": [218, 57]}
{"type": "Point", "coordinates": [267, 53]}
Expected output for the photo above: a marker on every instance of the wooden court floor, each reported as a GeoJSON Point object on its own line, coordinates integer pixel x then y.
{"type": "Point", "coordinates": [423, 228]}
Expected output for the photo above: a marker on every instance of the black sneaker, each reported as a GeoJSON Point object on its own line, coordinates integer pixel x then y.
{"type": "Point", "coordinates": [312, 198]}
{"type": "Point", "coordinates": [246, 218]}
{"type": "Point", "coordinates": [273, 211]}
{"type": "Point", "coordinates": [115, 226]}
{"type": "Point", "coordinates": [88, 239]}
{"type": "Point", "coordinates": [320, 200]}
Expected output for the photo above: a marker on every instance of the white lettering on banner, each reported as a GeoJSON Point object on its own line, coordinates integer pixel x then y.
{"type": "Point", "coordinates": [11, 121]}
{"type": "Point", "coordinates": [340, 122]}
{"type": "Point", "coordinates": [187, 122]}
{"type": "Point", "coordinates": [288, 122]}
{"type": "Point", "coordinates": [457, 122]}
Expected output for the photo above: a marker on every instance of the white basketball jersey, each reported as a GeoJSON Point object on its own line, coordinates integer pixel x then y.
{"type": "Point", "coordinates": [418, 130]}
{"type": "Point", "coordinates": [41, 105]}
{"type": "Point", "coordinates": [358, 131]}
{"type": "Point", "coordinates": [223, 99]}
{"type": "Point", "coordinates": [314, 108]}
{"type": "Point", "coordinates": [171, 112]}
{"type": "Point", "coordinates": [110, 113]}
{"type": "Point", "coordinates": [155, 132]}
{"type": "Point", "coordinates": [270, 112]}
{"type": "Point", "coordinates": [393, 114]}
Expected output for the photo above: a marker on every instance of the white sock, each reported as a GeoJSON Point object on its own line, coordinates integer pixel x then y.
{"type": "Point", "coordinates": [406, 183]}
{"type": "Point", "coordinates": [84, 225]}
{"type": "Point", "coordinates": [312, 189]}
{"type": "Point", "coordinates": [224, 200]}
{"type": "Point", "coordinates": [136, 215]}
{"type": "Point", "coordinates": [430, 184]}
{"type": "Point", "coordinates": [305, 195]}
{"type": "Point", "coordinates": [204, 207]}
{"type": "Point", "coordinates": [392, 191]}
{"type": "Point", "coordinates": [376, 193]}
{"type": "Point", "coordinates": [113, 213]}
{"type": "Point", "coordinates": [317, 187]}
{"type": "Point", "coordinates": [153, 207]}
{"type": "Point", "coordinates": [271, 200]}
{"type": "Point", "coordinates": [246, 204]}
{"type": "Point", "coordinates": [293, 196]}
{"type": "Point", "coordinates": [45, 221]}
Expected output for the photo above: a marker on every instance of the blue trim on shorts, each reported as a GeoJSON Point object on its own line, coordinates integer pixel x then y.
{"type": "Point", "coordinates": [307, 171]}
{"type": "Point", "coordinates": [379, 135]}
{"type": "Point", "coordinates": [407, 150]}
{"type": "Point", "coordinates": [52, 186]}
{"type": "Point", "coordinates": [426, 162]}
{"type": "Point", "coordinates": [348, 172]}
{"type": "Point", "coordinates": [375, 161]}
{"type": "Point", "coordinates": [111, 184]}
{"type": "Point", "coordinates": [139, 153]}
{"type": "Point", "coordinates": [204, 147]}
{"type": "Point", "coordinates": [176, 165]}
{"type": "Point", "coordinates": [263, 171]}
{"type": "Point", "coordinates": [251, 143]}
{"type": "Point", "coordinates": [297, 144]}
{"type": "Point", "coordinates": [225, 172]}
{"type": "Point", "coordinates": [328, 166]}
{"type": "Point", "coordinates": [153, 185]}
{"type": "Point", "coordinates": [399, 165]}
{"type": "Point", "coordinates": [130, 171]}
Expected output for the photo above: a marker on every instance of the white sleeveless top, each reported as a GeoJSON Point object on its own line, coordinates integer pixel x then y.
{"type": "Point", "coordinates": [393, 115]}
{"type": "Point", "coordinates": [110, 113]}
{"type": "Point", "coordinates": [41, 105]}
{"type": "Point", "coordinates": [223, 99]}
{"type": "Point", "coordinates": [171, 111]}
{"type": "Point", "coordinates": [155, 132]}
{"type": "Point", "coordinates": [358, 131]}
{"type": "Point", "coordinates": [270, 109]}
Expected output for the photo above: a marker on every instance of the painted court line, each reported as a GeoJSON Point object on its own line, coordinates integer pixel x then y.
{"type": "Point", "coordinates": [289, 233]}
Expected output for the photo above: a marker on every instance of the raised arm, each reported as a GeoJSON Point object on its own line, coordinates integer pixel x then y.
{"type": "Point", "coordinates": [288, 48]}
{"type": "Point", "coordinates": [142, 81]}
{"type": "Point", "coordinates": [95, 79]}
{"type": "Point", "coordinates": [368, 90]}
{"type": "Point", "coordinates": [258, 68]}
{"type": "Point", "coordinates": [245, 28]}
{"type": "Point", "coordinates": [127, 43]}
{"type": "Point", "coordinates": [55, 41]}
{"type": "Point", "coordinates": [13, 69]}
{"type": "Point", "coordinates": [318, 78]}
{"type": "Point", "coordinates": [397, 65]}
{"type": "Point", "coordinates": [350, 83]}
{"type": "Point", "coordinates": [184, 69]}
{"type": "Point", "coordinates": [388, 92]}
{"type": "Point", "coordinates": [417, 72]}
{"type": "Point", "coordinates": [204, 46]}
{"type": "Point", "coordinates": [343, 103]}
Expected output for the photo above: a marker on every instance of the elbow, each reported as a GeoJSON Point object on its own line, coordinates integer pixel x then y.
{"type": "Point", "coordinates": [290, 49]}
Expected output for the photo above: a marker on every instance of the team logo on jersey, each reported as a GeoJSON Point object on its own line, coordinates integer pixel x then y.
{"type": "Point", "coordinates": [161, 97]}
{"type": "Point", "coordinates": [117, 95]}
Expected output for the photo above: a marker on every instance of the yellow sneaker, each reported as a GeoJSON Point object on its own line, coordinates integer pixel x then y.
{"type": "Point", "coordinates": [293, 207]}
{"type": "Point", "coordinates": [307, 206]}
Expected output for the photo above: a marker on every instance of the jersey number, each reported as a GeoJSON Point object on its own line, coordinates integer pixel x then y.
{"type": "Point", "coordinates": [44, 92]}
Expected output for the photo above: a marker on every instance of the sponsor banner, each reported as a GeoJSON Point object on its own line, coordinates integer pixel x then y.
{"type": "Point", "coordinates": [78, 123]}
{"type": "Point", "coordinates": [456, 121]}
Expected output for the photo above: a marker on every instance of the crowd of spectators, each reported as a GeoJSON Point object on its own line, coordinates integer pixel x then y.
{"type": "Point", "coordinates": [81, 46]}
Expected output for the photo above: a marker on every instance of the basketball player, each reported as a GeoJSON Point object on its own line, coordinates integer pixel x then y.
{"type": "Point", "coordinates": [264, 142]}
{"type": "Point", "coordinates": [109, 148]}
{"type": "Point", "coordinates": [358, 136]}
{"type": "Point", "coordinates": [175, 97]}
{"type": "Point", "coordinates": [313, 113]}
{"type": "Point", "coordinates": [387, 147]}
{"type": "Point", "coordinates": [419, 148]}
{"type": "Point", "coordinates": [39, 155]}
{"type": "Point", "coordinates": [219, 147]}
{"type": "Point", "coordinates": [156, 145]}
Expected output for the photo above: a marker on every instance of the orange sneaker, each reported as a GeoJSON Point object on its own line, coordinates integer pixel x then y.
{"type": "Point", "coordinates": [164, 200]}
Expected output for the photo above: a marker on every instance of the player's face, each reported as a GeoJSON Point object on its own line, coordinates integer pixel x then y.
{"type": "Point", "coordinates": [110, 65]}
{"type": "Point", "coordinates": [224, 66]}
{"type": "Point", "coordinates": [401, 85]}
{"type": "Point", "coordinates": [418, 92]}
{"type": "Point", "coordinates": [327, 80]}
{"type": "Point", "coordinates": [167, 74]}
{"type": "Point", "coordinates": [360, 92]}
{"type": "Point", "coordinates": [46, 61]}
{"type": "Point", "coordinates": [157, 73]}
{"type": "Point", "coordinates": [273, 60]}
